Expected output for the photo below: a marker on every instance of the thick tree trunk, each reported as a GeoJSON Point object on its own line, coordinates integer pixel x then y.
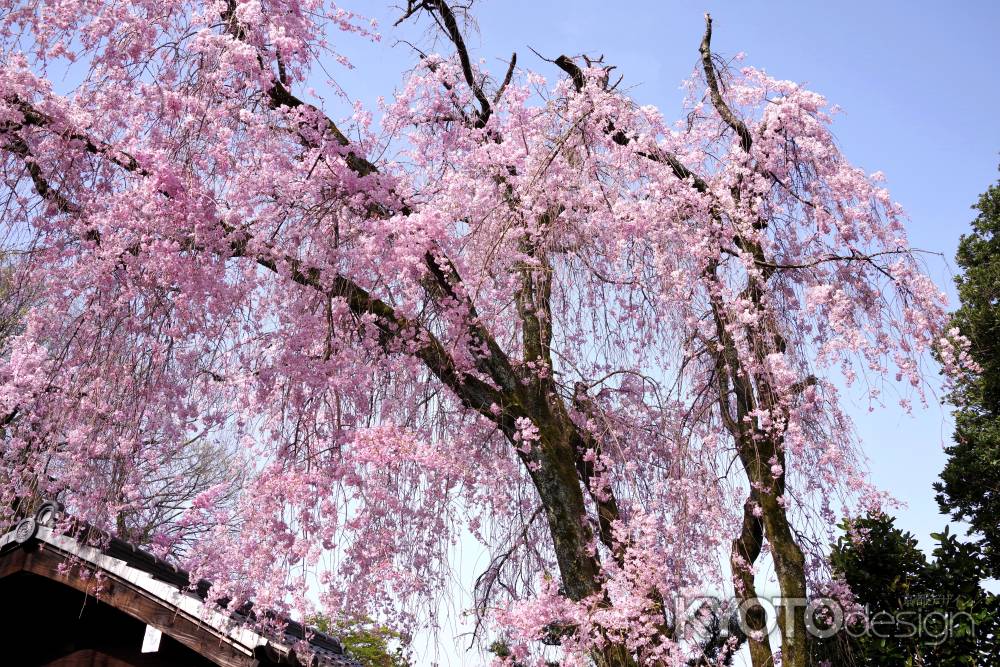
{"type": "Point", "coordinates": [562, 497]}
{"type": "Point", "coordinates": [745, 551]}
{"type": "Point", "coordinates": [789, 564]}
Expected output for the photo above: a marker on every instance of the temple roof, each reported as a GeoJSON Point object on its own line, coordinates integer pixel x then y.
{"type": "Point", "coordinates": [154, 579]}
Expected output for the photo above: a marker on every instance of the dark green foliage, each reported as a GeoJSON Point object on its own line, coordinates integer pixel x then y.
{"type": "Point", "coordinates": [920, 612]}
{"type": "Point", "coordinates": [970, 483]}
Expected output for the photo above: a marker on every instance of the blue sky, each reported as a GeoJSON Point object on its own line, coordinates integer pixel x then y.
{"type": "Point", "coordinates": [916, 80]}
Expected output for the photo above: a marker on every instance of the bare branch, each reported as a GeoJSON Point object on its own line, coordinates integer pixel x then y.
{"type": "Point", "coordinates": [746, 141]}
{"type": "Point", "coordinates": [566, 64]}
{"type": "Point", "coordinates": [506, 79]}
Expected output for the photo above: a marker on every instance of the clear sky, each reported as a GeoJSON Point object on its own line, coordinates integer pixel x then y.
{"type": "Point", "coordinates": [917, 80]}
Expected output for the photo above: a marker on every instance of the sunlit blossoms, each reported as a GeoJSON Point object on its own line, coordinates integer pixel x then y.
{"type": "Point", "coordinates": [518, 307]}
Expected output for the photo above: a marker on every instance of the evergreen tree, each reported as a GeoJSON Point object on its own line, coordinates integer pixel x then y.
{"type": "Point", "coordinates": [970, 483]}
{"type": "Point", "coordinates": [918, 611]}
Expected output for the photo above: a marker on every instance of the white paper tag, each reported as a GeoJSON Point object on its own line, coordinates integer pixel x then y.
{"type": "Point", "coordinates": [151, 640]}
